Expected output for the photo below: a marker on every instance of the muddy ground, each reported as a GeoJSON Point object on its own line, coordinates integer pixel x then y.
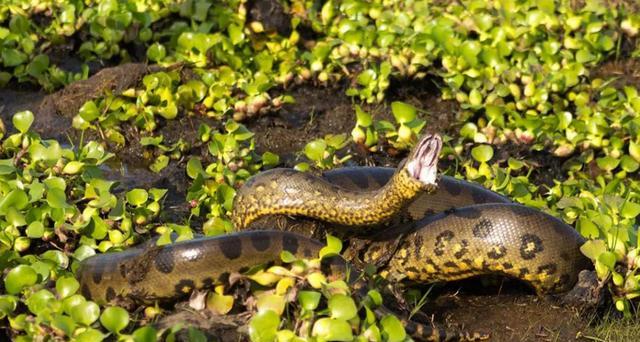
{"type": "Point", "coordinates": [509, 311]}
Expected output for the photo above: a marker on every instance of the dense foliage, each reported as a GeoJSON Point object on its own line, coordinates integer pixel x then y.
{"type": "Point", "coordinates": [519, 70]}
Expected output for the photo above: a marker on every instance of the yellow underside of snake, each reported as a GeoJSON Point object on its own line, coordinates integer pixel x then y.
{"type": "Point", "coordinates": [456, 231]}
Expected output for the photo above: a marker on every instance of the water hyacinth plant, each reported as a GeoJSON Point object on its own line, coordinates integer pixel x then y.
{"type": "Point", "coordinates": [537, 118]}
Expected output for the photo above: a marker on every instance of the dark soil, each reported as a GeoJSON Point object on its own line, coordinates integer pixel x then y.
{"type": "Point", "coordinates": [508, 311]}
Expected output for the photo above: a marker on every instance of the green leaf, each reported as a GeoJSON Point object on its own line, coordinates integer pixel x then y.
{"type": "Point", "coordinates": [73, 167]}
{"type": "Point", "coordinates": [156, 52]}
{"type": "Point", "coordinates": [331, 329]}
{"type": "Point", "coordinates": [342, 307]}
{"type": "Point", "coordinates": [38, 65]}
{"type": "Point", "coordinates": [263, 326]}
{"type": "Point", "coordinates": [315, 150]}
{"type": "Point", "coordinates": [137, 197]}
{"type": "Point", "coordinates": [482, 153]}
{"type": "Point", "coordinates": [22, 121]}
{"type": "Point", "coordinates": [159, 164]}
{"type": "Point", "coordinates": [7, 305]}
{"type": "Point", "coordinates": [309, 300]}
{"type": "Point", "coordinates": [56, 198]}
{"type": "Point", "coordinates": [114, 319]}
{"type": "Point", "coordinates": [20, 277]}
{"type": "Point", "coordinates": [271, 302]}
{"type": "Point", "coordinates": [235, 34]}
{"type": "Point", "coordinates": [145, 334]}
{"type": "Point", "coordinates": [64, 323]}
{"type": "Point", "coordinates": [393, 329]}
{"type": "Point", "coordinates": [66, 286]}
{"type": "Point", "coordinates": [592, 249]}
{"type": "Point", "coordinates": [89, 111]}
{"type": "Point", "coordinates": [630, 210]}
{"type": "Point", "coordinates": [333, 247]}
{"type": "Point", "coordinates": [403, 112]}
{"type": "Point", "coordinates": [634, 151]}
{"type": "Point", "coordinates": [363, 118]}
{"type": "Point", "coordinates": [587, 228]}
{"type": "Point", "coordinates": [85, 312]}
{"type": "Point", "coordinates": [90, 335]}
{"type": "Point", "coordinates": [607, 163]}
{"type": "Point", "coordinates": [608, 259]}
{"type": "Point", "coordinates": [375, 296]}
{"type": "Point", "coordinates": [39, 301]}
{"type": "Point", "coordinates": [270, 159]}
{"type": "Point", "coordinates": [12, 57]}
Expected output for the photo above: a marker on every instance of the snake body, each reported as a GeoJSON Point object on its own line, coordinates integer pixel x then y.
{"type": "Point", "coordinates": [147, 273]}
{"type": "Point", "coordinates": [286, 191]}
{"type": "Point", "coordinates": [456, 231]}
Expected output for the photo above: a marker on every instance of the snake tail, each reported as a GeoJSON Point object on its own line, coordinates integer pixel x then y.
{"type": "Point", "coordinates": [162, 273]}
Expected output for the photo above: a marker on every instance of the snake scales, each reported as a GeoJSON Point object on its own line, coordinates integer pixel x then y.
{"type": "Point", "coordinates": [457, 230]}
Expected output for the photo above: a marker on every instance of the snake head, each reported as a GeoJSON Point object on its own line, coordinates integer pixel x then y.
{"type": "Point", "coordinates": [422, 163]}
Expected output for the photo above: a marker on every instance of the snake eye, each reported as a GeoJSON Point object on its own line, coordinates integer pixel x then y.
{"type": "Point", "coordinates": [423, 160]}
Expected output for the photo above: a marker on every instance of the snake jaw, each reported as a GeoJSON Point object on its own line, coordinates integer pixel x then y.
{"type": "Point", "coordinates": [423, 161]}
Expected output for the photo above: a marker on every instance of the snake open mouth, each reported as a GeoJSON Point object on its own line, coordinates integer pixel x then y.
{"type": "Point", "coordinates": [423, 161]}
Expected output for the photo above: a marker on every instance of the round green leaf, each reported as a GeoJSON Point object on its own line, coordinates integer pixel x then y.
{"type": "Point", "coordinates": [23, 120]}
{"type": "Point", "coordinates": [403, 112]}
{"type": "Point", "coordinates": [263, 326]}
{"type": "Point", "coordinates": [156, 52]}
{"type": "Point", "coordinates": [73, 167]}
{"type": "Point", "coordinates": [114, 318]}
{"type": "Point", "coordinates": [89, 111]}
{"type": "Point", "coordinates": [90, 335]}
{"type": "Point", "coordinates": [64, 323]}
{"type": "Point", "coordinates": [56, 198]}
{"type": "Point", "coordinates": [145, 334]}
{"type": "Point", "coordinates": [7, 305]}
{"type": "Point", "coordinates": [331, 329]}
{"type": "Point", "coordinates": [482, 153]}
{"type": "Point", "coordinates": [309, 300]}
{"type": "Point", "coordinates": [39, 301]}
{"type": "Point", "coordinates": [393, 329]}
{"type": "Point", "coordinates": [315, 150]}
{"type": "Point", "coordinates": [35, 230]}
{"type": "Point", "coordinates": [20, 277]}
{"type": "Point", "coordinates": [342, 307]}
{"type": "Point", "coordinates": [66, 286]}
{"type": "Point", "coordinates": [85, 312]}
{"type": "Point", "coordinates": [137, 197]}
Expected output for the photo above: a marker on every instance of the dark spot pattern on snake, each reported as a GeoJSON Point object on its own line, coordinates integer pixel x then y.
{"type": "Point", "coordinates": [441, 242]}
{"type": "Point", "coordinates": [164, 263]}
{"type": "Point", "coordinates": [452, 187]}
{"type": "Point", "coordinates": [464, 244]}
{"type": "Point", "coordinates": [530, 246]}
{"type": "Point", "coordinates": [483, 228]}
{"type": "Point", "coordinates": [548, 269]}
{"type": "Point", "coordinates": [185, 286]}
{"type": "Point", "coordinates": [86, 290]}
{"type": "Point", "coordinates": [111, 294]}
{"type": "Point", "coordinates": [290, 244]}
{"type": "Point", "coordinates": [97, 274]}
{"type": "Point", "coordinates": [497, 252]}
{"type": "Point", "coordinates": [232, 249]}
{"type": "Point", "coordinates": [260, 242]}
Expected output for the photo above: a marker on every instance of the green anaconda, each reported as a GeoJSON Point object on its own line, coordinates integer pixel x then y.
{"type": "Point", "coordinates": [456, 231]}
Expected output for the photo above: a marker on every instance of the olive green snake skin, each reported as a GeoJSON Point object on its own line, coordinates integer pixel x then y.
{"type": "Point", "coordinates": [455, 231]}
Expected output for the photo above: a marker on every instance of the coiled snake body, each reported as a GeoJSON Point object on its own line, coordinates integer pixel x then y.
{"type": "Point", "coordinates": [456, 231]}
